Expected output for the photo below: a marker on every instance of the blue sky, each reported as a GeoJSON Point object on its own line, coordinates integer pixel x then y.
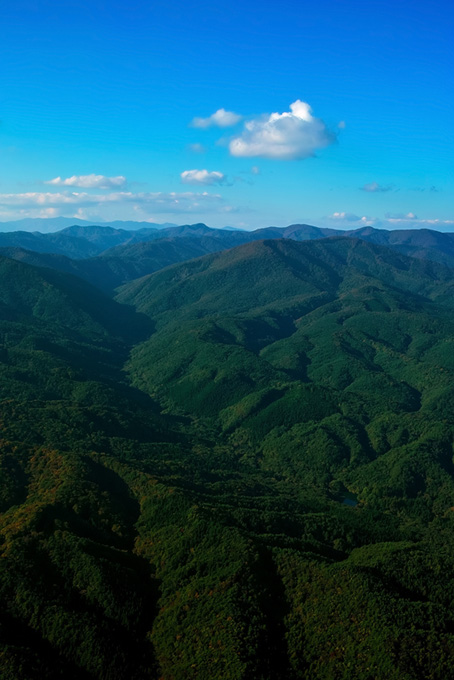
{"type": "Point", "coordinates": [108, 111]}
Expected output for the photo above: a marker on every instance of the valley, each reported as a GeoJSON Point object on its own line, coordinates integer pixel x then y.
{"type": "Point", "coordinates": [226, 455]}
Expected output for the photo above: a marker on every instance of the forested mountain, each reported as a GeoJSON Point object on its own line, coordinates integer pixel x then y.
{"type": "Point", "coordinates": [127, 254]}
{"type": "Point", "coordinates": [80, 241]}
{"type": "Point", "coordinates": [425, 244]}
{"type": "Point", "coordinates": [61, 263]}
{"type": "Point", "coordinates": [241, 468]}
{"type": "Point", "coordinates": [122, 263]}
{"type": "Point", "coordinates": [67, 242]}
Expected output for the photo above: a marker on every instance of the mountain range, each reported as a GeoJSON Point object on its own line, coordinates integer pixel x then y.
{"type": "Point", "coordinates": [226, 454]}
{"type": "Point", "coordinates": [50, 224]}
{"type": "Point", "coordinates": [109, 257]}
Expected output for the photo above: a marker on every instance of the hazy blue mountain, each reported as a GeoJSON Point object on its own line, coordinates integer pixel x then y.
{"type": "Point", "coordinates": [77, 241]}
{"type": "Point", "coordinates": [82, 241]}
{"type": "Point", "coordinates": [133, 226]}
{"type": "Point", "coordinates": [41, 224]}
{"type": "Point", "coordinates": [297, 232]}
{"type": "Point", "coordinates": [51, 224]}
{"type": "Point", "coordinates": [64, 242]}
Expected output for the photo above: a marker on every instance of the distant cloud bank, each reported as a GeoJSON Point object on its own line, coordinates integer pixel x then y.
{"type": "Point", "coordinates": [52, 204]}
{"type": "Point", "coordinates": [407, 220]}
{"type": "Point", "coordinates": [89, 182]}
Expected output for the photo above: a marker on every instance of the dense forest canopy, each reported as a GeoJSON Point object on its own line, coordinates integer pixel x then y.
{"type": "Point", "coordinates": [237, 466]}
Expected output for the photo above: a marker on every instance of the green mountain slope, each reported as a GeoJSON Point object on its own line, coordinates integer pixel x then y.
{"type": "Point", "coordinates": [125, 262]}
{"type": "Point", "coordinates": [265, 273]}
{"type": "Point", "coordinates": [27, 292]}
{"type": "Point", "coordinates": [282, 335]}
{"type": "Point", "coordinates": [74, 597]}
{"type": "Point", "coordinates": [134, 260]}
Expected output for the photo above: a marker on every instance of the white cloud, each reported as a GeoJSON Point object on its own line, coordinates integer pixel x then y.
{"type": "Point", "coordinates": [349, 217]}
{"type": "Point", "coordinates": [352, 220]}
{"type": "Point", "coordinates": [89, 182]}
{"type": "Point", "coordinates": [221, 118]}
{"type": "Point", "coordinates": [291, 135]}
{"type": "Point", "coordinates": [202, 177]}
{"type": "Point", "coordinates": [374, 187]}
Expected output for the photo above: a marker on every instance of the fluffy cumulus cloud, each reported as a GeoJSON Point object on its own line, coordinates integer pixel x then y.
{"type": "Point", "coordinates": [89, 182]}
{"type": "Point", "coordinates": [221, 118]}
{"type": "Point", "coordinates": [374, 187]}
{"type": "Point", "coordinates": [202, 177]}
{"type": "Point", "coordinates": [291, 135]}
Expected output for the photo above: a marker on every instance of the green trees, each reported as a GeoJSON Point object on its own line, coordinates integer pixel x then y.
{"type": "Point", "coordinates": [183, 518]}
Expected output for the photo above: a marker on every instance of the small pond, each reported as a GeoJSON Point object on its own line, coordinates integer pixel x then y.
{"type": "Point", "coordinates": [350, 499]}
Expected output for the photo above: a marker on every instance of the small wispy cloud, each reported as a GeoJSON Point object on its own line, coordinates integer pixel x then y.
{"type": "Point", "coordinates": [221, 118]}
{"type": "Point", "coordinates": [374, 187]}
{"type": "Point", "coordinates": [89, 182]}
{"type": "Point", "coordinates": [422, 189]}
{"type": "Point", "coordinates": [402, 220]}
{"type": "Point", "coordinates": [401, 216]}
{"type": "Point", "coordinates": [350, 217]}
{"type": "Point", "coordinates": [411, 220]}
{"type": "Point", "coordinates": [292, 135]}
{"type": "Point", "coordinates": [202, 177]}
{"type": "Point", "coordinates": [196, 148]}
